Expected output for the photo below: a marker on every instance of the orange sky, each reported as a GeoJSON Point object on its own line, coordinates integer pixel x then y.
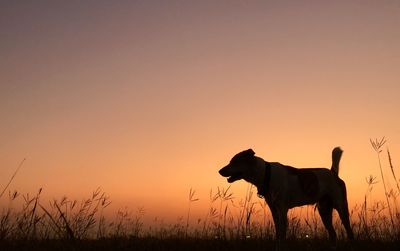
{"type": "Point", "coordinates": [149, 98]}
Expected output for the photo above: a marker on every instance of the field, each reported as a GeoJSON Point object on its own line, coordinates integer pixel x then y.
{"type": "Point", "coordinates": [191, 244]}
{"type": "Point", "coordinates": [228, 224]}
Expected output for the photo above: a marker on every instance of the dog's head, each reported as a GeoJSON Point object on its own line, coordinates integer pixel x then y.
{"type": "Point", "coordinates": [239, 166]}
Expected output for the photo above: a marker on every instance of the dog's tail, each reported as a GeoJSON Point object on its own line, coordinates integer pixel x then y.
{"type": "Point", "coordinates": [336, 155]}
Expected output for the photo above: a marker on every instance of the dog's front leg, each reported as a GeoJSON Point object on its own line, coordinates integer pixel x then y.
{"type": "Point", "coordinates": [279, 215]}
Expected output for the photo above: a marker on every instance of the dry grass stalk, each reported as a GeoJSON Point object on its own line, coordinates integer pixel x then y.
{"type": "Point", "coordinates": [377, 145]}
{"type": "Point", "coordinates": [392, 169]}
{"type": "Point", "coordinates": [12, 177]}
{"type": "Point", "coordinates": [192, 199]}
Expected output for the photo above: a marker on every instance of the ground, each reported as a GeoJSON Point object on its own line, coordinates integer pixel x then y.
{"type": "Point", "coordinates": [143, 244]}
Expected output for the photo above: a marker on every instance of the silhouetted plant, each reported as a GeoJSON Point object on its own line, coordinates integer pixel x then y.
{"type": "Point", "coordinates": [392, 169]}
{"type": "Point", "coordinates": [191, 200]}
{"type": "Point", "coordinates": [223, 196]}
{"type": "Point", "coordinates": [12, 177]}
{"type": "Point", "coordinates": [377, 145]}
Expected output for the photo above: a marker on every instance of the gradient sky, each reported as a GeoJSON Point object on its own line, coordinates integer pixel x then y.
{"type": "Point", "coordinates": [149, 98]}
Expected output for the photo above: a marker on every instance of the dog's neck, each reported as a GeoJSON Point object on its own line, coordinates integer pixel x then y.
{"type": "Point", "coordinates": [258, 175]}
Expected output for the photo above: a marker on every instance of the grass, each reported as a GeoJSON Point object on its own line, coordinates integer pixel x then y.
{"type": "Point", "coordinates": [228, 224]}
{"type": "Point", "coordinates": [190, 244]}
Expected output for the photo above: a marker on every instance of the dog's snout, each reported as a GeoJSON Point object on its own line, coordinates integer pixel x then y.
{"type": "Point", "coordinates": [223, 171]}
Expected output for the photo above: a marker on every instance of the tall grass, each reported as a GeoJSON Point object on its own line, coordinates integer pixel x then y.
{"type": "Point", "coordinates": [191, 200]}
{"type": "Point", "coordinates": [12, 178]}
{"type": "Point", "coordinates": [228, 217]}
{"type": "Point", "coordinates": [377, 145]}
{"type": "Point", "coordinates": [390, 194]}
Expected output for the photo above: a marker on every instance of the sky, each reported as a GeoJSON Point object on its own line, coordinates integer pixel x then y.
{"type": "Point", "coordinates": [147, 99]}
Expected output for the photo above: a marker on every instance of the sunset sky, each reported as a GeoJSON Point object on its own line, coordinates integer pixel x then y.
{"type": "Point", "coordinates": [147, 99]}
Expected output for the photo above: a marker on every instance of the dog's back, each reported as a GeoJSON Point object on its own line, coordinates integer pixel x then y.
{"type": "Point", "coordinates": [301, 186]}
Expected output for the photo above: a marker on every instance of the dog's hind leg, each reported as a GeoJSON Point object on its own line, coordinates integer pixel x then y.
{"type": "Point", "coordinates": [343, 211]}
{"type": "Point", "coordinates": [325, 209]}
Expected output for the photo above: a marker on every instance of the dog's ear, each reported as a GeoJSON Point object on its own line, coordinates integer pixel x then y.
{"type": "Point", "coordinates": [250, 152]}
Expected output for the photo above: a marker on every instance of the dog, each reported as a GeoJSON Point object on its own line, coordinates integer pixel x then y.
{"type": "Point", "coordinates": [284, 187]}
